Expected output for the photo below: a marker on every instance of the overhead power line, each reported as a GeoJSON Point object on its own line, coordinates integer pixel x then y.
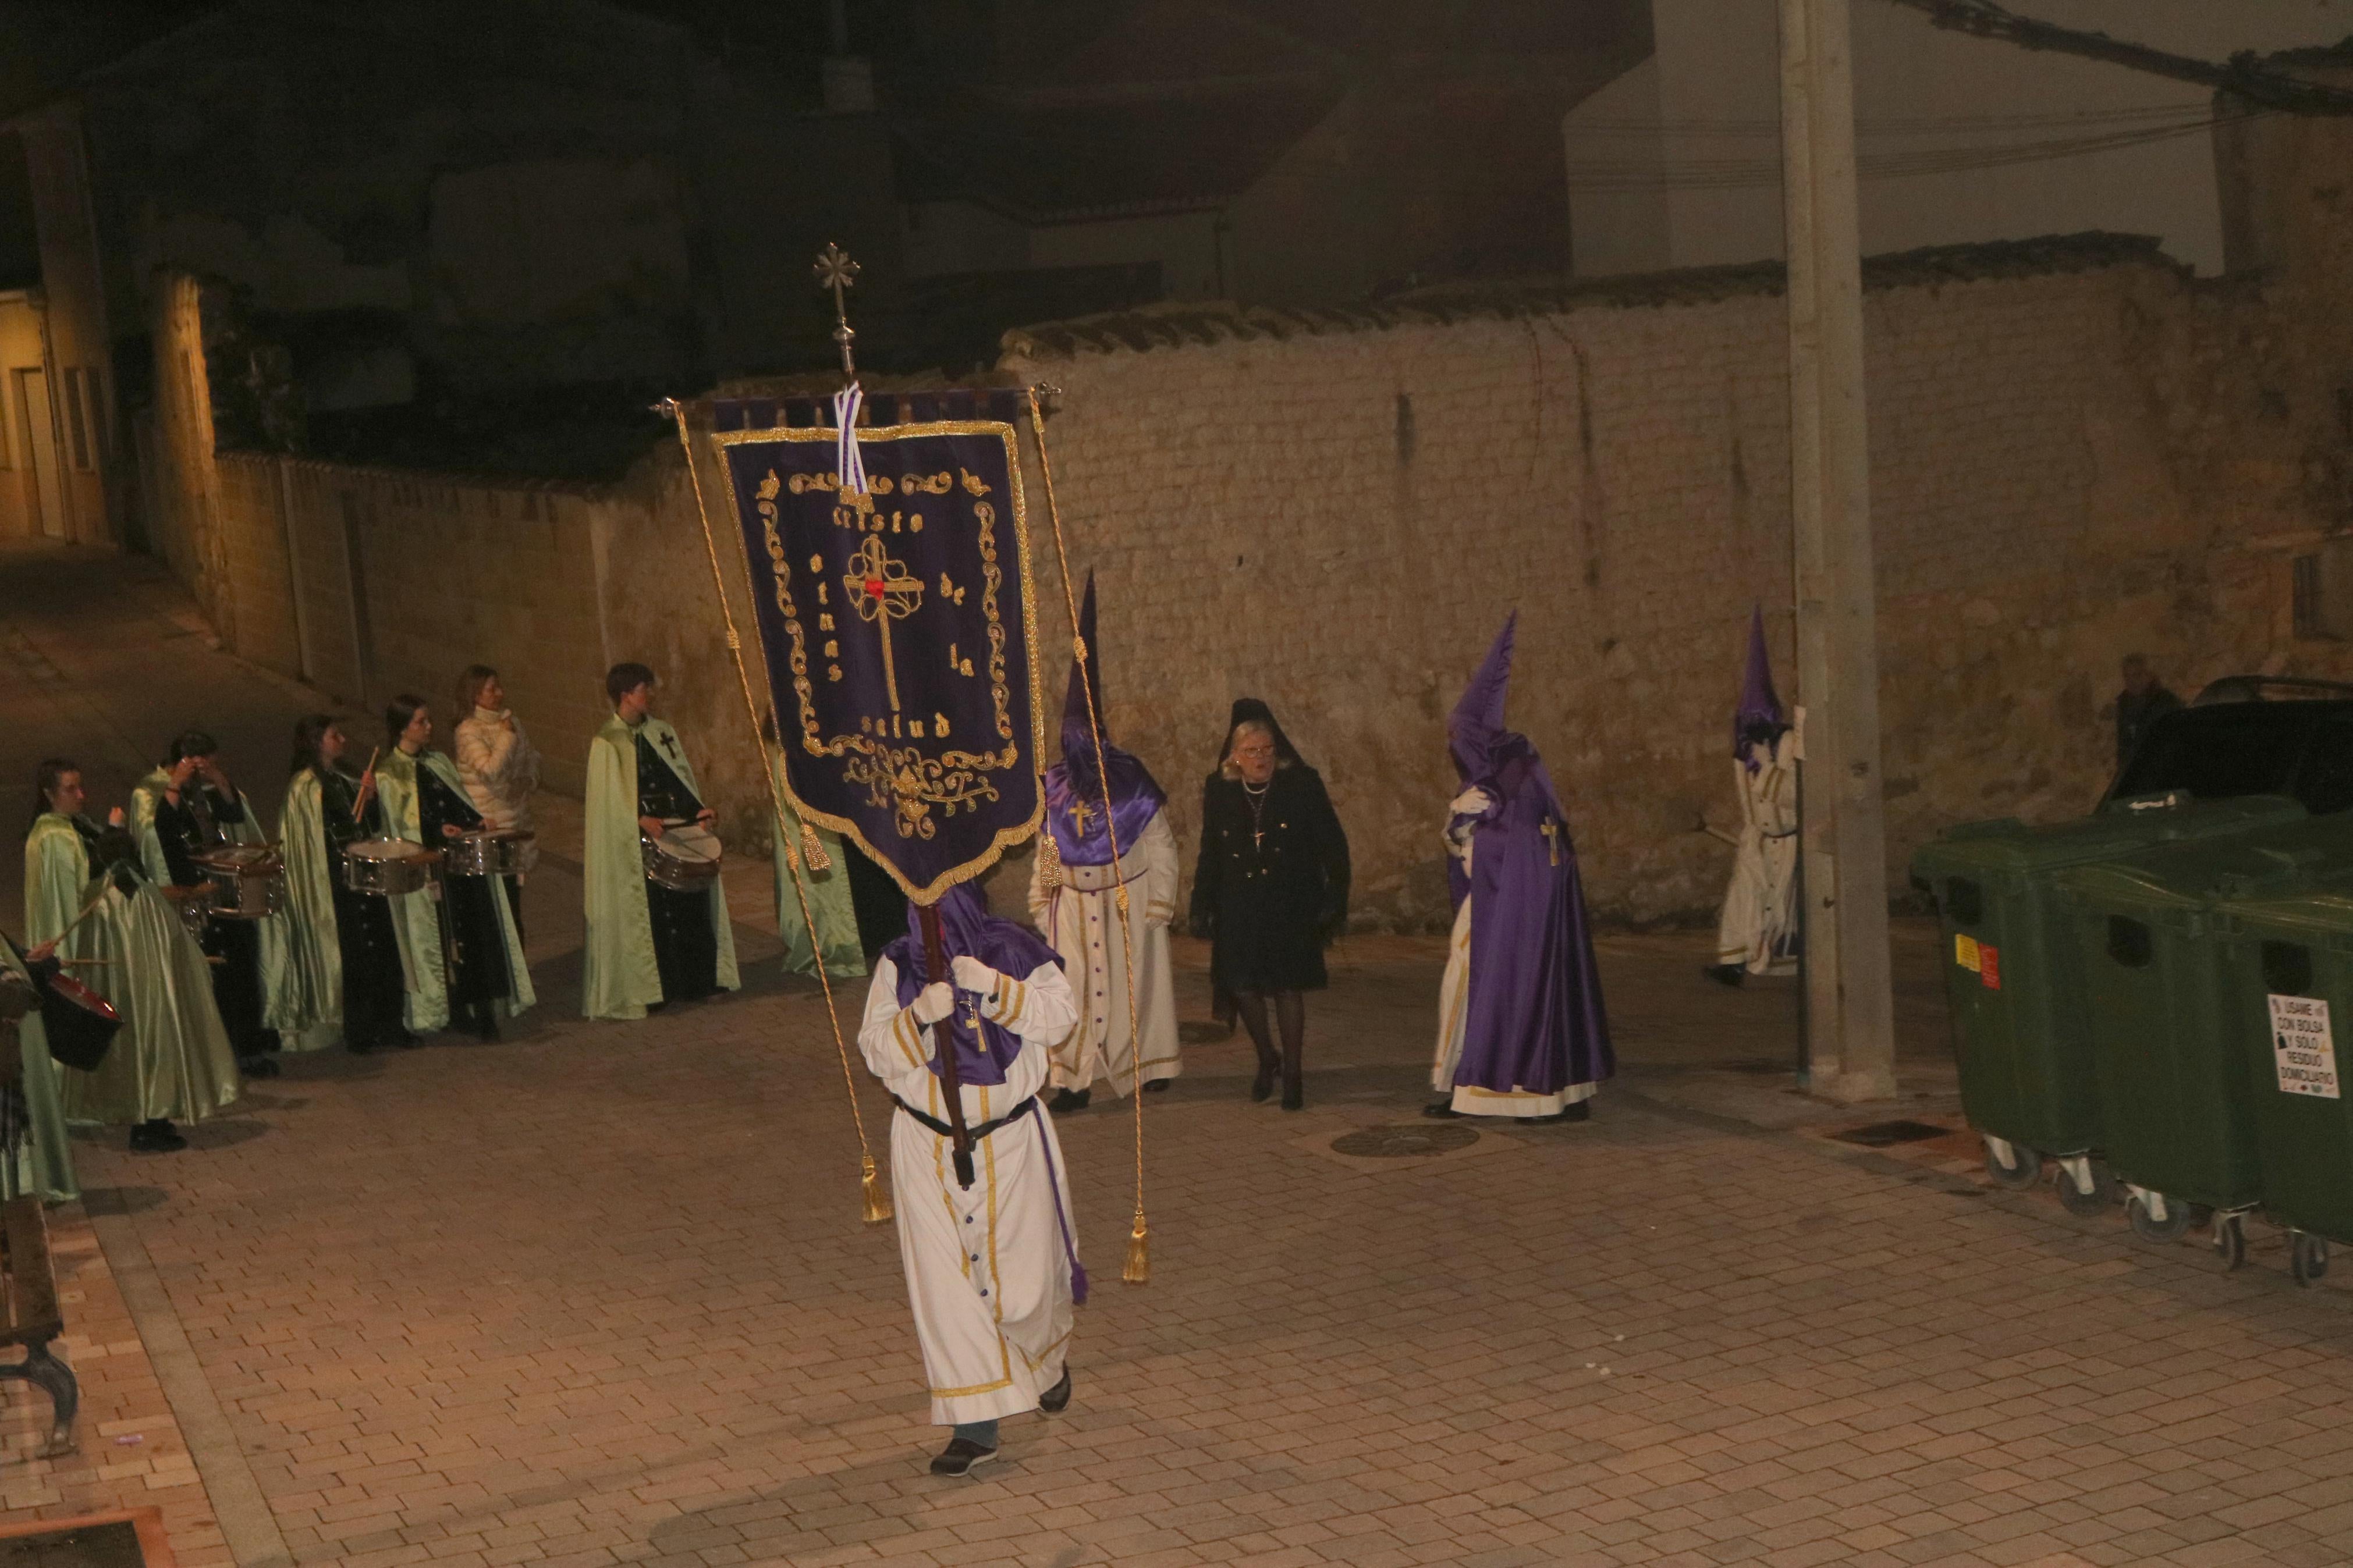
{"type": "Point", "coordinates": [2244, 74]}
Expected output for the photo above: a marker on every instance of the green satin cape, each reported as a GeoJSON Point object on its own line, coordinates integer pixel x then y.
{"type": "Point", "coordinates": [277, 934]}
{"type": "Point", "coordinates": [172, 1057]}
{"type": "Point", "coordinates": [44, 1162]}
{"type": "Point", "coordinates": [417, 916]}
{"type": "Point", "coordinates": [619, 976]}
{"type": "Point", "coordinates": [828, 898]}
{"type": "Point", "coordinates": [306, 1008]}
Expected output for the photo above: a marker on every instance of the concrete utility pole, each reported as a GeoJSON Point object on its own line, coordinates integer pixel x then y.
{"type": "Point", "coordinates": [1849, 1015]}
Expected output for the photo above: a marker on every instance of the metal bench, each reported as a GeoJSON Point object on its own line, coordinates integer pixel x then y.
{"type": "Point", "coordinates": [29, 1315]}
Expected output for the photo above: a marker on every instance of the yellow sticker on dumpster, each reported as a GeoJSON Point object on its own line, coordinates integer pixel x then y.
{"type": "Point", "coordinates": [1965, 952]}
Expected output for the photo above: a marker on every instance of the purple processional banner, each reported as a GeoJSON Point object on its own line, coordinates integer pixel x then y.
{"type": "Point", "coordinates": [897, 629]}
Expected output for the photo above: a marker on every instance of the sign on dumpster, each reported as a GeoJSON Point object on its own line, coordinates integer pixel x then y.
{"type": "Point", "coordinates": [2303, 1047]}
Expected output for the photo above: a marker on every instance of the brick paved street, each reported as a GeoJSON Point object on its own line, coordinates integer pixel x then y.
{"type": "Point", "coordinates": [599, 1295]}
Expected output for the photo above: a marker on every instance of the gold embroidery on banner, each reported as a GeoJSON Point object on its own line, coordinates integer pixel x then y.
{"type": "Point", "coordinates": [914, 785]}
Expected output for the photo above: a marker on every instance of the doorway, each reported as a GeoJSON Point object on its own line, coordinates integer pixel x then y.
{"type": "Point", "coordinates": [47, 490]}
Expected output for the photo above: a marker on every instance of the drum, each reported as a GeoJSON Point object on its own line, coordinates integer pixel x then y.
{"type": "Point", "coordinates": [79, 1022]}
{"type": "Point", "coordinates": [487, 853]}
{"type": "Point", "coordinates": [387, 866]}
{"type": "Point", "coordinates": [683, 859]}
{"type": "Point", "coordinates": [246, 881]}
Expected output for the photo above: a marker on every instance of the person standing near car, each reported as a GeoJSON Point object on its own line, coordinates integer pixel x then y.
{"type": "Point", "coordinates": [2141, 703]}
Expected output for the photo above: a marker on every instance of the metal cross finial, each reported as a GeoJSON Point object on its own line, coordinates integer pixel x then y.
{"type": "Point", "coordinates": [836, 271]}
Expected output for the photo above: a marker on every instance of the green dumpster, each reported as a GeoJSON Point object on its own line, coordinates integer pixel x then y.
{"type": "Point", "coordinates": [2292, 982]}
{"type": "Point", "coordinates": [2013, 972]}
{"type": "Point", "coordinates": [2176, 1113]}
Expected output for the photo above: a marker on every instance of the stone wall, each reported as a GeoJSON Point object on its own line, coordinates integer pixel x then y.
{"type": "Point", "coordinates": [1336, 515]}
{"type": "Point", "coordinates": [2077, 451]}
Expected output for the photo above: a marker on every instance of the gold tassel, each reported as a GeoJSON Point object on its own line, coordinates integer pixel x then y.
{"type": "Point", "coordinates": [1139, 1253]}
{"type": "Point", "coordinates": [1049, 862]}
{"type": "Point", "coordinates": [877, 1202]}
{"type": "Point", "coordinates": [813, 853]}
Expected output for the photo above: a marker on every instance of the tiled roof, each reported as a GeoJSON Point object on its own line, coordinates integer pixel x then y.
{"type": "Point", "coordinates": [1176, 325]}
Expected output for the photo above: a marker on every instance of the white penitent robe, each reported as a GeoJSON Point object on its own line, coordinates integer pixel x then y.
{"type": "Point", "coordinates": [1453, 1012]}
{"type": "Point", "coordinates": [1081, 920]}
{"type": "Point", "coordinates": [987, 1272]}
{"type": "Point", "coordinates": [1759, 905]}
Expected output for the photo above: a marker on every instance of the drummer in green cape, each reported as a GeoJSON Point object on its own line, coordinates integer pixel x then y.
{"type": "Point", "coordinates": [185, 808]}
{"type": "Point", "coordinates": [345, 978]}
{"type": "Point", "coordinates": [462, 948]}
{"type": "Point", "coordinates": [827, 891]}
{"type": "Point", "coordinates": [647, 944]}
{"type": "Point", "coordinates": [39, 1162]}
{"type": "Point", "coordinates": [171, 1061]}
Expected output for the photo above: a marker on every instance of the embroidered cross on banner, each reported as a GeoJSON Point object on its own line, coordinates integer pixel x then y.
{"type": "Point", "coordinates": [882, 592]}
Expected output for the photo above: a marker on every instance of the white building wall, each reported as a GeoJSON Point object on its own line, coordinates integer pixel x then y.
{"type": "Point", "coordinates": [1704, 166]}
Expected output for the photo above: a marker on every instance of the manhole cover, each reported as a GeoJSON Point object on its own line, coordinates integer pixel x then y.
{"type": "Point", "coordinates": [1880, 1134]}
{"type": "Point", "coordinates": [109, 1545]}
{"type": "Point", "coordinates": [1403, 1142]}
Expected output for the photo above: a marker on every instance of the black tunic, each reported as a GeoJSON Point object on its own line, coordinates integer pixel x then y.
{"type": "Point", "coordinates": [198, 824]}
{"type": "Point", "coordinates": [1270, 887]}
{"type": "Point", "coordinates": [470, 929]}
{"type": "Point", "coordinates": [686, 947]}
{"type": "Point", "coordinates": [373, 985]}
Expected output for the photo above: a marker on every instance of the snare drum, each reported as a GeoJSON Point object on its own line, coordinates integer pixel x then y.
{"type": "Point", "coordinates": [683, 859]}
{"type": "Point", "coordinates": [386, 867]}
{"type": "Point", "coordinates": [79, 1022]}
{"type": "Point", "coordinates": [487, 853]}
{"type": "Point", "coordinates": [246, 882]}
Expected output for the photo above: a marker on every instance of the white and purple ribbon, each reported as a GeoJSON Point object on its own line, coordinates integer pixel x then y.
{"type": "Point", "coordinates": [848, 464]}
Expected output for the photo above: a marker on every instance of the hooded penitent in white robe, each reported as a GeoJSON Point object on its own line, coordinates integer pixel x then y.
{"type": "Point", "coordinates": [1758, 908]}
{"type": "Point", "coordinates": [989, 1267]}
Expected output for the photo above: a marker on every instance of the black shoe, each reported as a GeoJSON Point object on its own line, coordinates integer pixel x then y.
{"type": "Point", "coordinates": [1580, 1110]}
{"type": "Point", "coordinates": [1445, 1108]}
{"type": "Point", "coordinates": [1295, 1097]}
{"type": "Point", "coordinates": [1057, 1399]}
{"type": "Point", "coordinates": [1066, 1100]}
{"type": "Point", "coordinates": [257, 1066]}
{"type": "Point", "coordinates": [1156, 1085]}
{"type": "Point", "coordinates": [961, 1458]}
{"type": "Point", "coordinates": [402, 1040]}
{"type": "Point", "coordinates": [358, 1047]}
{"type": "Point", "coordinates": [1730, 974]}
{"type": "Point", "coordinates": [1262, 1085]}
{"type": "Point", "coordinates": [485, 1026]}
{"type": "Point", "coordinates": [157, 1137]}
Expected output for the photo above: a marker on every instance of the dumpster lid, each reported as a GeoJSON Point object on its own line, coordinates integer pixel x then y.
{"type": "Point", "coordinates": [2274, 859]}
{"type": "Point", "coordinates": [2009, 845]}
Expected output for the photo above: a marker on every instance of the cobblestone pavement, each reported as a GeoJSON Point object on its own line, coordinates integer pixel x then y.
{"type": "Point", "coordinates": [599, 1295]}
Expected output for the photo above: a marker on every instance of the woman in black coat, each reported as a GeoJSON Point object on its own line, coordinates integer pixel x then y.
{"type": "Point", "coordinates": [1270, 889]}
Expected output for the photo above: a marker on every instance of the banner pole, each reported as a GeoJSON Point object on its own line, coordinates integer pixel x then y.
{"type": "Point", "coordinates": [876, 1199]}
{"type": "Point", "coordinates": [1138, 1268]}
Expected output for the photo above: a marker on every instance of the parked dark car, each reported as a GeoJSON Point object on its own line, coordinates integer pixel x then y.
{"type": "Point", "coordinates": [2251, 734]}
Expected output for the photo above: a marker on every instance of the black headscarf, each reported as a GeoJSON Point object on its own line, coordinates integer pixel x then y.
{"type": "Point", "coordinates": [1250, 707]}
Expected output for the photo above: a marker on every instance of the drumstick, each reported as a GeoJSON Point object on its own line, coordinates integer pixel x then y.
{"type": "Point", "coordinates": [359, 806]}
{"type": "Point", "coordinates": [85, 914]}
{"type": "Point", "coordinates": [84, 962]}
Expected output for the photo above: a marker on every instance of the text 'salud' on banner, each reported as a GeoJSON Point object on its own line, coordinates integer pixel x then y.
{"type": "Point", "coordinates": [898, 634]}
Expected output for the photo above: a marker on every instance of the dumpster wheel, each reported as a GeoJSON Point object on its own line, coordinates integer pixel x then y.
{"type": "Point", "coordinates": [2172, 1227]}
{"type": "Point", "coordinates": [2231, 1240]}
{"type": "Point", "coordinates": [2073, 1199]}
{"type": "Point", "coordinates": [2019, 1171]}
{"type": "Point", "coordinates": [2307, 1256]}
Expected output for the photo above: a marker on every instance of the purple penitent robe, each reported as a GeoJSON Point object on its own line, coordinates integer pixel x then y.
{"type": "Point", "coordinates": [1533, 1020]}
